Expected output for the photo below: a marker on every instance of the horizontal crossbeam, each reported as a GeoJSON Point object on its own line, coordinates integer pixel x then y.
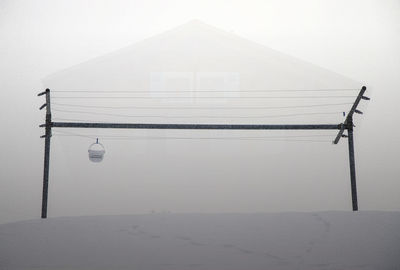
{"type": "Point", "coordinates": [196, 126]}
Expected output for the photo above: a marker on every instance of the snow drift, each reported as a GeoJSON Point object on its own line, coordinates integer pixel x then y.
{"type": "Point", "coordinates": [327, 240]}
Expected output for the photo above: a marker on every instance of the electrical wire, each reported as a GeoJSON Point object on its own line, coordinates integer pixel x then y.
{"type": "Point", "coordinates": [197, 95]}
{"type": "Point", "coordinates": [124, 137]}
{"type": "Point", "coordinates": [239, 139]}
{"type": "Point", "coordinates": [191, 138]}
{"type": "Point", "coordinates": [209, 91]}
{"type": "Point", "coordinates": [78, 120]}
{"type": "Point", "coordinates": [202, 97]}
{"type": "Point", "coordinates": [201, 108]}
{"type": "Point", "coordinates": [199, 116]}
{"type": "Point", "coordinates": [257, 137]}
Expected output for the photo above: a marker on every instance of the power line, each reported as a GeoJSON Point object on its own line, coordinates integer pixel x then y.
{"type": "Point", "coordinates": [200, 116]}
{"type": "Point", "coordinates": [201, 108]}
{"type": "Point", "coordinates": [187, 138]}
{"type": "Point", "coordinates": [78, 120]}
{"type": "Point", "coordinates": [59, 133]}
{"type": "Point", "coordinates": [208, 91]}
{"type": "Point", "coordinates": [122, 137]}
{"type": "Point", "coordinates": [275, 136]}
{"type": "Point", "coordinates": [239, 139]}
{"type": "Point", "coordinates": [202, 97]}
{"type": "Point", "coordinates": [178, 138]}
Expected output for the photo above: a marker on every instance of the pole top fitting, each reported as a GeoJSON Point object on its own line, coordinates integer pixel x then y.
{"type": "Point", "coordinates": [44, 92]}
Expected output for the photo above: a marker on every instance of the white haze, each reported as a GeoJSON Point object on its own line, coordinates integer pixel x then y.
{"type": "Point", "coordinates": [358, 39]}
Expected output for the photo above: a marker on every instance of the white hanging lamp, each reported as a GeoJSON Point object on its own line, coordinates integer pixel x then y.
{"type": "Point", "coordinates": [96, 152]}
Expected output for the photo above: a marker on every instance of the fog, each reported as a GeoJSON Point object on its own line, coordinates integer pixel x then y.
{"type": "Point", "coordinates": [98, 45]}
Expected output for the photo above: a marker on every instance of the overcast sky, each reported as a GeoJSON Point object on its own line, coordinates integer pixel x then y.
{"type": "Point", "coordinates": [359, 39]}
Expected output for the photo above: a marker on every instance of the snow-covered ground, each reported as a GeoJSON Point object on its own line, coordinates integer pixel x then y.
{"type": "Point", "coordinates": [326, 240]}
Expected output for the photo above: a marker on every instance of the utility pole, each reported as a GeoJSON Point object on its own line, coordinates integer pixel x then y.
{"type": "Point", "coordinates": [347, 125]}
{"type": "Point", "coordinates": [47, 137]}
{"type": "Point", "coordinates": [352, 165]}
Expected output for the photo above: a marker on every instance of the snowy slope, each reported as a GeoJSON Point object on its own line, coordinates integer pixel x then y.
{"type": "Point", "coordinates": [328, 240]}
